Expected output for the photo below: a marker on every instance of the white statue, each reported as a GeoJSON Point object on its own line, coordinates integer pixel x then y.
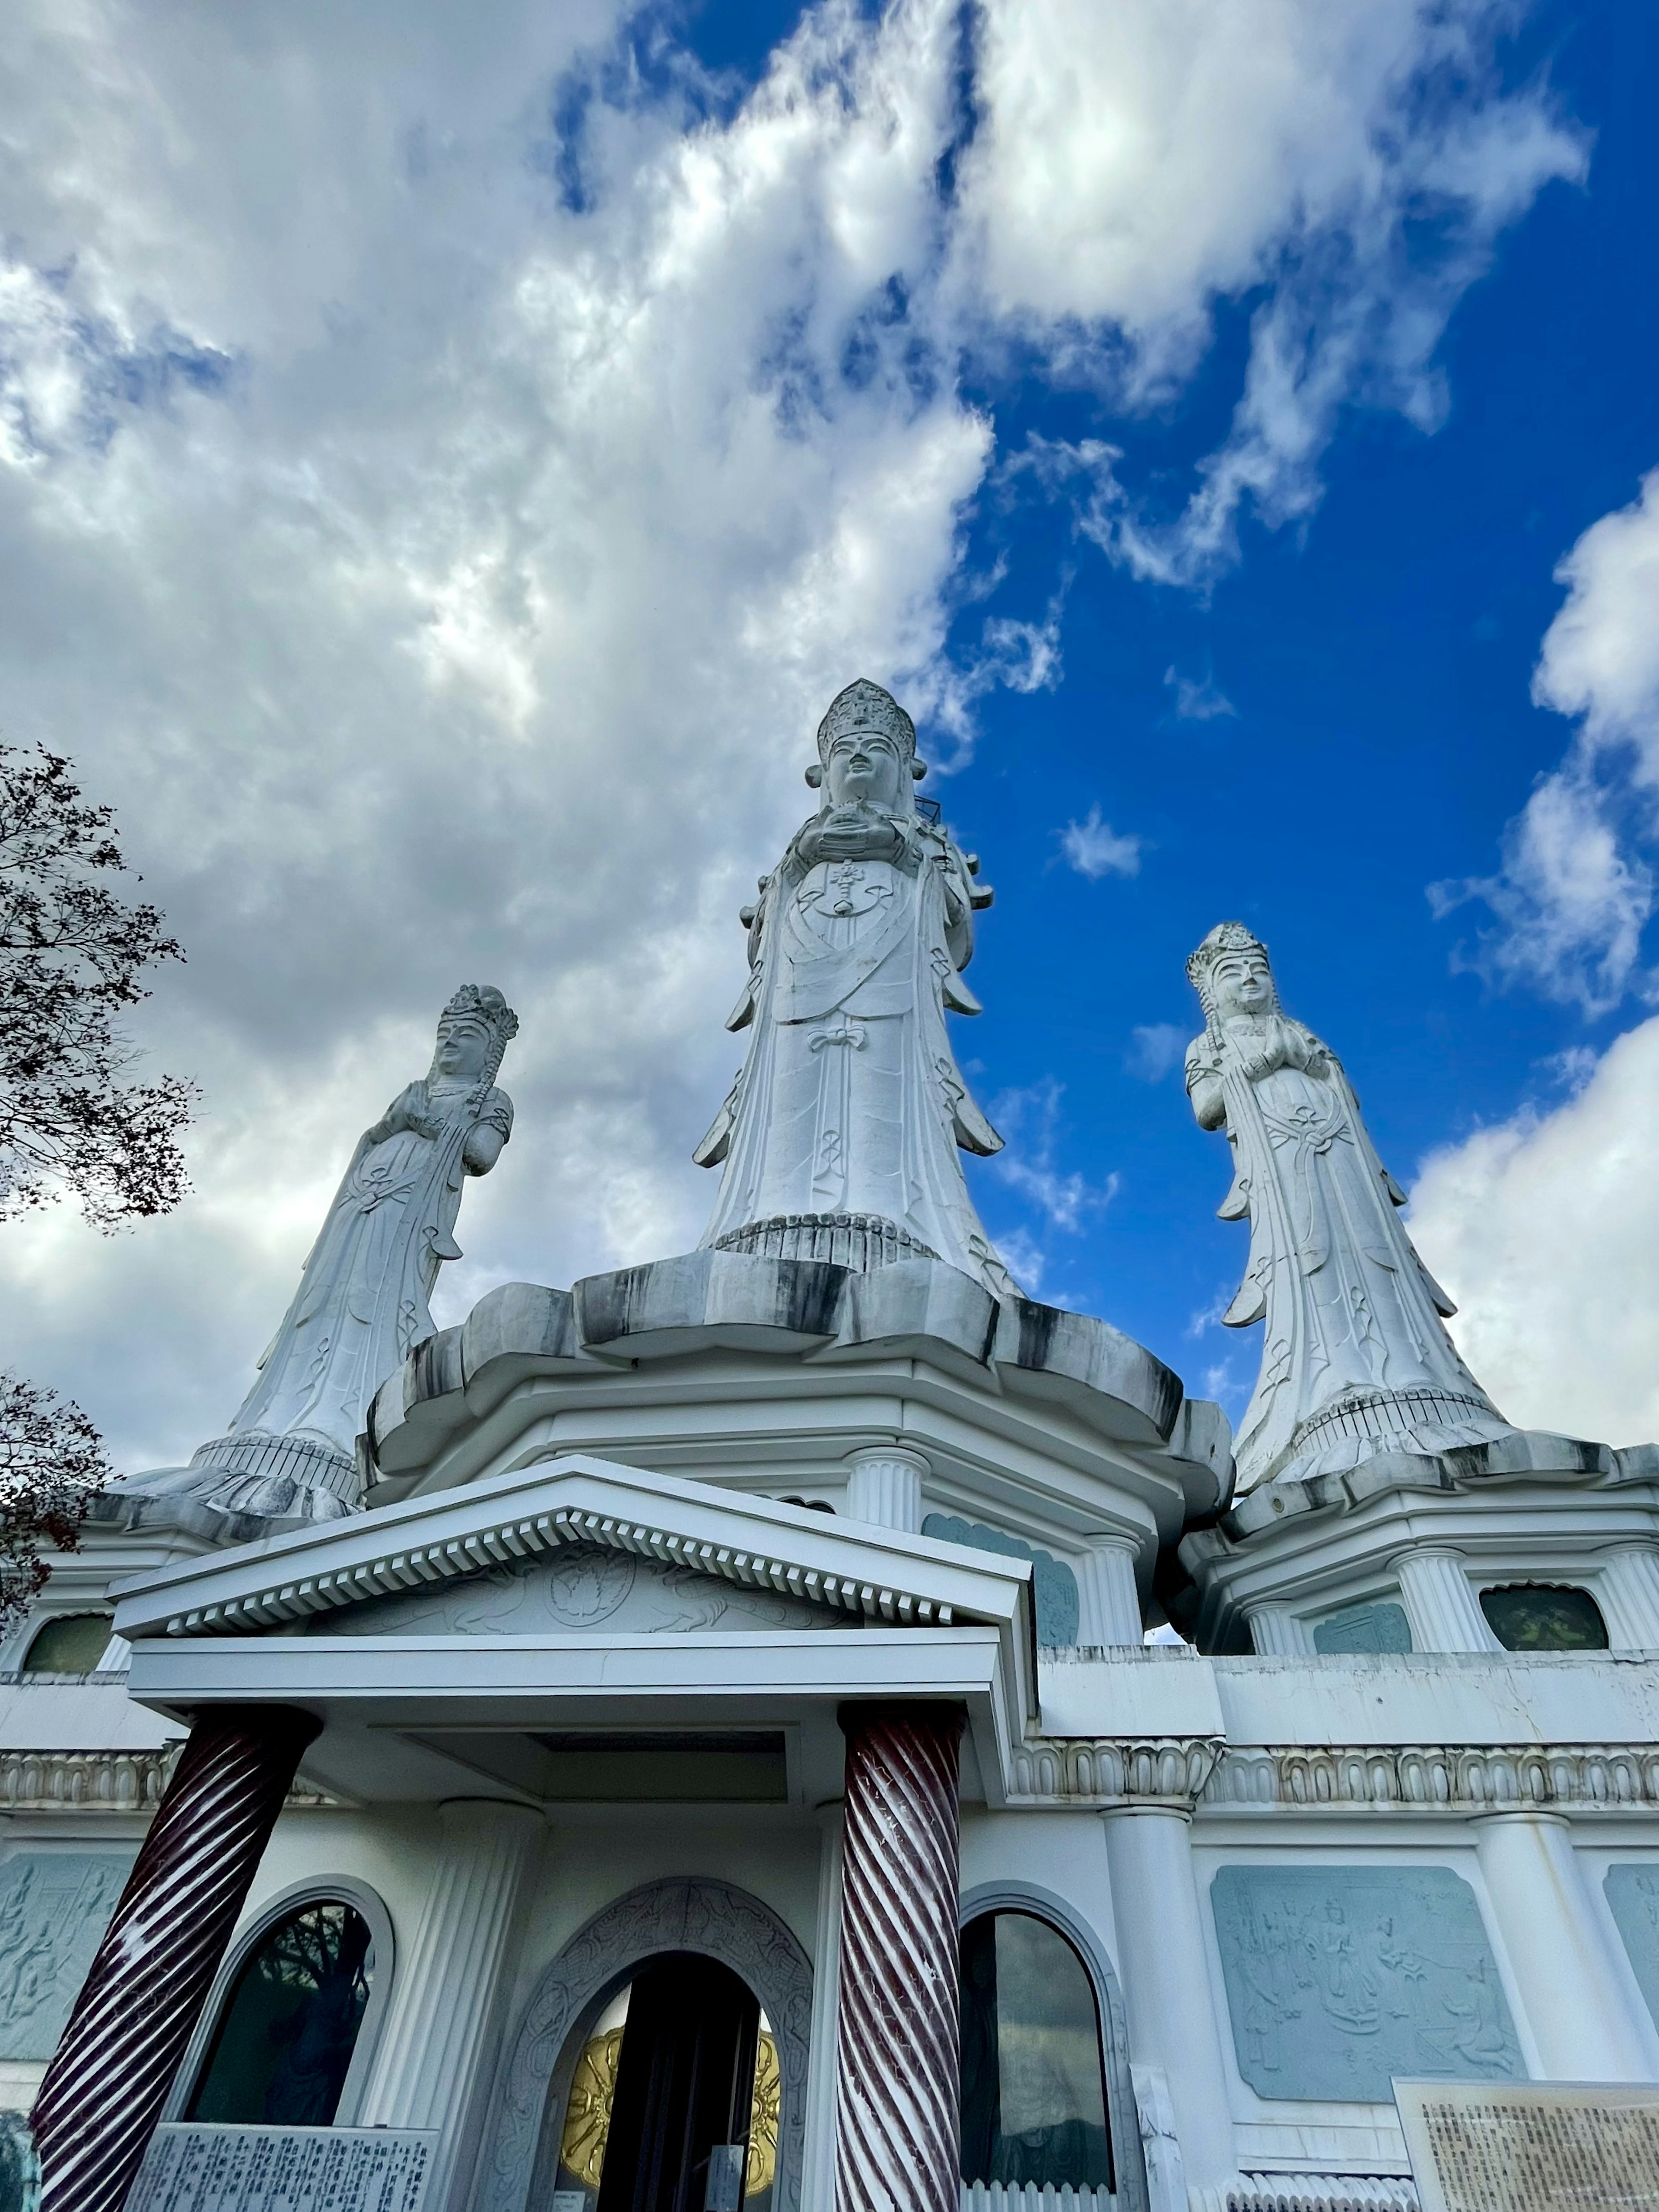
{"type": "Point", "coordinates": [840, 1136]}
{"type": "Point", "coordinates": [1355, 1359]}
{"type": "Point", "coordinates": [363, 1302]}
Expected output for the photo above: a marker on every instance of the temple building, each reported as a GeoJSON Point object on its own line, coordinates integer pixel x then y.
{"type": "Point", "coordinates": [689, 1741]}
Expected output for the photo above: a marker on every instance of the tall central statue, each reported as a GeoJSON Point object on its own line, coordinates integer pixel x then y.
{"type": "Point", "coordinates": [1355, 1358]}
{"type": "Point", "coordinates": [840, 1136]}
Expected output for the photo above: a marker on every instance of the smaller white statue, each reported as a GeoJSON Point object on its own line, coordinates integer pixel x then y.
{"type": "Point", "coordinates": [1356, 1358]}
{"type": "Point", "coordinates": [364, 1300]}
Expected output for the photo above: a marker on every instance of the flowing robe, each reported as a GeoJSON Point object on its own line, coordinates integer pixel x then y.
{"type": "Point", "coordinates": [362, 1301]}
{"type": "Point", "coordinates": [1356, 1358]}
{"type": "Point", "coordinates": [850, 1102]}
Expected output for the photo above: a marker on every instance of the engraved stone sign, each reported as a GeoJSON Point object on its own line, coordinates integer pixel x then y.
{"type": "Point", "coordinates": [192, 2166]}
{"type": "Point", "coordinates": [1340, 1978]}
{"type": "Point", "coordinates": [1543, 2146]}
{"type": "Point", "coordinates": [54, 1908]}
{"type": "Point", "coordinates": [1632, 1895]}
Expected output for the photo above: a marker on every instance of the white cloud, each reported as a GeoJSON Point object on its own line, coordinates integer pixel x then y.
{"type": "Point", "coordinates": [1573, 893]}
{"type": "Point", "coordinates": [1198, 698]}
{"type": "Point", "coordinates": [443, 568]}
{"type": "Point", "coordinates": [1029, 1119]}
{"type": "Point", "coordinates": [1545, 1232]}
{"type": "Point", "coordinates": [1154, 1048]}
{"type": "Point", "coordinates": [1095, 849]}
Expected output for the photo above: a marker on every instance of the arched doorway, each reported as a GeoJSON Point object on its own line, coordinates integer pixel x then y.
{"type": "Point", "coordinates": [580, 2000]}
{"type": "Point", "coordinates": [672, 2104]}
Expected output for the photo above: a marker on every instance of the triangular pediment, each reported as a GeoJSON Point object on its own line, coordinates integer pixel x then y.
{"type": "Point", "coordinates": [581, 1589]}
{"type": "Point", "coordinates": [580, 1547]}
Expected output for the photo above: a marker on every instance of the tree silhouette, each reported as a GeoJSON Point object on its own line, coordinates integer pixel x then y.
{"type": "Point", "coordinates": [75, 1121]}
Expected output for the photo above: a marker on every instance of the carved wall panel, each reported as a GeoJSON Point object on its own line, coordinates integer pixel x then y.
{"type": "Point", "coordinates": [1338, 1978]}
{"type": "Point", "coordinates": [1632, 1895]}
{"type": "Point", "coordinates": [520, 2150]}
{"type": "Point", "coordinates": [54, 1908]}
{"type": "Point", "coordinates": [1053, 1586]}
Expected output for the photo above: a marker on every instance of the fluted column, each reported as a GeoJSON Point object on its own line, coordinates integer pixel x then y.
{"type": "Point", "coordinates": [897, 2060]}
{"type": "Point", "coordinates": [434, 2045]}
{"type": "Point", "coordinates": [109, 2077]}
{"type": "Point", "coordinates": [1277, 1633]}
{"type": "Point", "coordinates": [1440, 1602]}
{"type": "Point", "coordinates": [1167, 1990]}
{"type": "Point", "coordinates": [884, 1485]}
{"type": "Point", "coordinates": [1107, 1600]}
{"type": "Point", "coordinates": [1629, 1592]}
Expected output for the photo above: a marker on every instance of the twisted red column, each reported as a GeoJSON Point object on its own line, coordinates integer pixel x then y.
{"type": "Point", "coordinates": [897, 2121]}
{"type": "Point", "coordinates": [109, 2077]}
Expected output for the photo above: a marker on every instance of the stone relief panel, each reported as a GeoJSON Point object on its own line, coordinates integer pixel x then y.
{"type": "Point", "coordinates": [1632, 1895]}
{"type": "Point", "coordinates": [54, 1908]}
{"type": "Point", "coordinates": [578, 1589]}
{"type": "Point", "coordinates": [1053, 1586]}
{"type": "Point", "coordinates": [1338, 1978]}
{"type": "Point", "coordinates": [1380, 1626]}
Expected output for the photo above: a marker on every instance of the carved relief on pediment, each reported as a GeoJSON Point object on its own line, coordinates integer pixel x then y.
{"type": "Point", "coordinates": [581, 1589]}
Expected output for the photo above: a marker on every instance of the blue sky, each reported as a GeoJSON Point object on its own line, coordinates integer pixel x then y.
{"type": "Point", "coordinates": [442, 477]}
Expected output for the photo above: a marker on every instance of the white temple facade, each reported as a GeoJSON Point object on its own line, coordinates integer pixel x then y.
{"type": "Point", "coordinates": [708, 1757]}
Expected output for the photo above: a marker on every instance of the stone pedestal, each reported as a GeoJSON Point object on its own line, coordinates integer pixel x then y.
{"type": "Point", "coordinates": [1570, 1990]}
{"type": "Point", "coordinates": [897, 2059]}
{"type": "Point", "coordinates": [435, 2042]}
{"type": "Point", "coordinates": [884, 1485]}
{"type": "Point", "coordinates": [1440, 1604]}
{"type": "Point", "coordinates": [1166, 1981]}
{"type": "Point", "coordinates": [109, 2078]}
{"type": "Point", "coordinates": [1629, 1596]}
{"type": "Point", "coordinates": [1109, 1602]}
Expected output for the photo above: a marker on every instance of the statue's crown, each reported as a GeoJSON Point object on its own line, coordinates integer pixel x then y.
{"type": "Point", "coordinates": [865, 706]}
{"type": "Point", "coordinates": [1226, 937]}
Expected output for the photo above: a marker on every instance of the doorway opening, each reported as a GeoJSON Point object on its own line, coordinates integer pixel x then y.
{"type": "Point", "coordinates": [673, 2104]}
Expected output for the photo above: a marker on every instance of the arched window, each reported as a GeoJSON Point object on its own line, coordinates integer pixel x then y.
{"type": "Point", "coordinates": [289, 2024]}
{"type": "Point", "coordinates": [1544, 1617]}
{"type": "Point", "coordinates": [1033, 2075]}
{"type": "Point", "coordinates": [67, 1643]}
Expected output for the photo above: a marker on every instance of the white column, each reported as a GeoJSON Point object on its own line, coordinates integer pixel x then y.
{"type": "Point", "coordinates": [1277, 1633]}
{"type": "Point", "coordinates": [436, 2043]}
{"type": "Point", "coordinates": [884, 1485]}
{"type": "Point", "coordinates": [1628, 1588]}
{"type": "Point", "coordinates": [1569, 1985]}
{"type": "Point", "coordinates": [1440, 1602]}
{"type": "Point", "coordinates": [818, 2157]}
{"type": "Point", "coordinates": [1166, 1982]}
{"type": "Point", "coordinates": [1108, 1602]}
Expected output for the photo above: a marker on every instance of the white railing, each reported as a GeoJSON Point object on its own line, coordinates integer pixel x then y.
{"type": "Point", "coordinates": [1033, 2196]}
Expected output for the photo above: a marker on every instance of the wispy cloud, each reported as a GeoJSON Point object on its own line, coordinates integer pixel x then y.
{"type": "Point", "coordinates": [1095, 849]}
{"type": "Point", "coordinates": [1031, 1120]}
{"type": "Point", "coordinates": [1198, 698]}
{"type": "Point", "coordinates": [1154, 1048]}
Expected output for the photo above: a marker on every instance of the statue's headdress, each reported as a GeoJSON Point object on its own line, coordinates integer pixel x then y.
{"type": "Point", "coordinates": [482, 1005]}
{"type": "Point", "coordinates": [1226, 937]}
{"type": "Point", "coordinates": [865, 706]}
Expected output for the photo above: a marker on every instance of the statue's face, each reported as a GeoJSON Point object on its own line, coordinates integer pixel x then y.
{"type": "Point", "coordinates": [864, 765]}
{"type": "Point", "coordinates": [1243, 983]}
{"type": "Point", "coordinates": [463, 1050]}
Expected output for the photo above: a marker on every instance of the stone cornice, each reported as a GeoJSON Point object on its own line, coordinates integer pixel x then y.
{"type": "Point", "coordinates": [105, 1782]}
{"type": "Point", "coordinates": [1103, 1772]}
{"type": "Point", "coordinates": [1458, 1778]}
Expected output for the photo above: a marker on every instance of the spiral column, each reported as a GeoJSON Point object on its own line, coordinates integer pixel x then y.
{"type": "Point", "coordinates": [109, 2077]}
{"type": "Point", "coordinates": [897, 2121]}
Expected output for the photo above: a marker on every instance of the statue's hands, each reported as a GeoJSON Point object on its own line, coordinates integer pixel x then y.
{"type": "Point", "coordinates": [407, 1111]}
{"type": "Point", "coordinates": [851, 833]}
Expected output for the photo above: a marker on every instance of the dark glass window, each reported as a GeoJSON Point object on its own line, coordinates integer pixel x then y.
{"type": "Point", "coordinates": [285, 2037]}
{"type": "Point", "coordinates": [1033, 2081]}
{"type": "Point", "coordinates": [73, 1644]}
{"type": "Point", "coordinates": [1544, 1617]}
